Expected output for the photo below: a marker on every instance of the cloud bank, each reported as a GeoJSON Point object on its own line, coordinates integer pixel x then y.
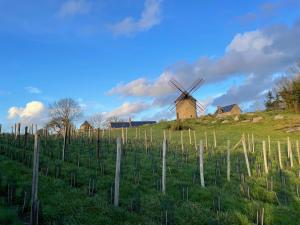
{"type": "Point", "coordinates": [127, 110]}
{"type": "Point", "coordinates": [33, 112]}
{"type": "Point", "coordinates": [255, 55]}
{"type": "Point", "coordinates": [150, 16]}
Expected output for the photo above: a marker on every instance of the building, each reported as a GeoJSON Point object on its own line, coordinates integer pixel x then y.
{"type": "Point", "coordinates": [86, 126]}
{"type": "Point", "coordinates": [115, 125]}
{"type": "Point", "coordinates": [229, 110]}
{"type": "Point", "coordinates": [186, 107]}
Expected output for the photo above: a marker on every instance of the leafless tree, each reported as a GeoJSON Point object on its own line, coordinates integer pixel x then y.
{"type": "Point", "coordinates": [96, 120]}
{"type": "Point", "coordinates": [112, 119]}
{"type": "Point", "coordinates": [64, 112]}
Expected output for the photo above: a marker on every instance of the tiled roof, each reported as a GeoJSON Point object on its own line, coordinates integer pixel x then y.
{"type": "Point", "coordinates": [227, 108]}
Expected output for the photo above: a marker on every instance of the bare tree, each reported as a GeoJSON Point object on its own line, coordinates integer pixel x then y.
{"type": "Point", "coordinates": [64, 112]}
{"type": "Point", "coordinates": [112, 119]}
{"type": "Point", "coordinates": [96, 120]}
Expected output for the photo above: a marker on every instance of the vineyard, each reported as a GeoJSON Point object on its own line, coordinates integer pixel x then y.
{"type": "Point", "coordinates": [210, 172]}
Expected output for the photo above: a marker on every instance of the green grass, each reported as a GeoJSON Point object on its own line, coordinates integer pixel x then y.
{"type": "Point", "coordinates": [220, 202]}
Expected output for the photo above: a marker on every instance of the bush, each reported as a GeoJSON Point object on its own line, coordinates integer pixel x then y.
{"type": "Point", "coordinates": [178, 125]}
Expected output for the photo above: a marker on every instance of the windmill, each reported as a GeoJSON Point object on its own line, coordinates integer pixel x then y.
{"type": "Point", "coordinates": [186, 105]}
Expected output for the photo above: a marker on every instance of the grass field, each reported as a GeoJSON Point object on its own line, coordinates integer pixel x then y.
{"type": "Point", "coordinates": [67, 197]}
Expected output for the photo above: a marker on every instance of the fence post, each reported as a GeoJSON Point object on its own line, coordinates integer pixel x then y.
{"type": "Point", "coordinates": [117, 174]}
{"type": "Point", "coordinates": [164, 166]}
{"type": "Point", "coordinates": [265, 157]}
{"type": "Point", "coordinates": [65, 142]}
{"type": "Point", "coordinates": [215, 140]}
{"type": "Point", "coordinates": [246, 156]}
{"type": "Point", "coordinates": [201, 169]}
{"type": "Point", "coordinates": [195, 140]}
{"type": "Point", "coordinates": [279, 155]}
{"type": "Point", "coordinates": [35, 175]}
{"type": "Point", "coordinates": [298, 153]}
{"type": "Point", "coordinates": [290, 153]}
{"type": "Point", "coordinates": [181, 138]}
{"type": "Point", "coordinates": [228, 160]}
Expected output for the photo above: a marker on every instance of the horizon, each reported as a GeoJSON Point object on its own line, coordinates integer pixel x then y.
{"type": "Point", "coordinates": [116, 57]}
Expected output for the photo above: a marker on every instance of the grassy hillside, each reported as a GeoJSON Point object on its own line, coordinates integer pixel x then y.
{"type": "Point", "coordinates": [240, 201]}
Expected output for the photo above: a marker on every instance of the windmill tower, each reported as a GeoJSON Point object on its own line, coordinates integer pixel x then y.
{"type": "Point", "coordinates": [186, 105]}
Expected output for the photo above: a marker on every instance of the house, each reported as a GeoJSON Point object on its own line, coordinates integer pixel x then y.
{"type": "Point", "coordinates": [228, 110]}
{"type": "Point", "coordinates": [186, 107]}
{"type": "Point", "coordinates": [86, 126]}
{"type": "Point", "coordinates": [115, 125]}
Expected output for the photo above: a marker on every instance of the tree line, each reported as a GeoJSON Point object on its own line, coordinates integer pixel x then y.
{"type": "Point", "coordinates": [286, 95]}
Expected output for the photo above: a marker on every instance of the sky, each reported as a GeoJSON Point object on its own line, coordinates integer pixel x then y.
{"type": "Point", "coordinates": [116, 56]}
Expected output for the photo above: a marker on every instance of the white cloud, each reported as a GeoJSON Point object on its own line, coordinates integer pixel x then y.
{"type": "Point", "coordinates": [33, 90]}
{"type": "Point", "coordinates": [127, 110]}
{"type": "Point", "coordinates": [33, 112]}
{"type": "Point", "coordinates": [254, 40]}
{"type": "Point", "coordinates": [74, 7]}
{"type": "Point", "coordinates": [151, 16]}
{"type": "Point", "coordinates": [255, 55]}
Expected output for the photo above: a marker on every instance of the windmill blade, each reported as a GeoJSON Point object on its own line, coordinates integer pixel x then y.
{"type": "Point", "coordinates": [196, 85]}
{"type": "Point", "coordinates": [176, 85]}
{"type": "Point", "coordinates": [173, 84]}
{"type": "Point", "coordinates": [201, 106]}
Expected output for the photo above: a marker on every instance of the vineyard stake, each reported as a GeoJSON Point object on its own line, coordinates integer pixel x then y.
{"type": "Point", "coordinates": [117, 173]}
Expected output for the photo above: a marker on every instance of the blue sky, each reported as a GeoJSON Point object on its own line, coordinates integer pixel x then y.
{"type": "Point", "coordinates": [116, 56]}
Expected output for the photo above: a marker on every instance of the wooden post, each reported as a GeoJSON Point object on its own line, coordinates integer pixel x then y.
{"type": "Point", "coordinates": [249, 144]}
{"type": "Point", "coordinates": [290, 152]}
{"type": "Point", "coordinates": [146, 143]}
{"type": "Point", "coordinates": [195, 140]}
{"type": "Point", "coordinates": [253, 143]}
{"type": "Point", "coordinates": [65, 142]}
{"type": "Point", "coordinates": [26, 137]}
{"type": "Point", "coordinates": [215, 140]}
{"type": "Point", "coordinates": [228, 160]}
{"type": "Point", "coordinates": [298, 153]}
{"type": "Point", "coordinates": [279, 155]}
{"type": "Point", "coordinates": [246, 156]}
{"type": "Point", "coordinates": [136, 133]}
{"type": "Point", "coordinates": [139, 133]}
{"type": "Point", "coordinates": [190, 137]}
{"type": "Point", "coordinates": [201, 168]}
{"type": "Point", "coordinates": [151, 138]}
{"type": "Point", "coordinates": [126, 132]}
{"type": "Point", "coordinates": [18, 131]}
{"type": "Point", "coordinates": [109, 131]}
{"type": "Point", "coordinates": [206, 141]}
{"type": "Point", "coordinates": [35, 175]}
{"type": "Point", "coordinates": [117, 173]}
{"type": "Point", "coordinates": [164, 166]}
{"type": "Point", "coordinates": [265, 157]}
{"type": "Point", "coordinates": [98, 143]}
{"type": "Point", "coordinates": [269, 147]}
{"type": "Point", "coordinates": [123, 137]}
{"type": "Point", "coordinates": [181, 139]}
